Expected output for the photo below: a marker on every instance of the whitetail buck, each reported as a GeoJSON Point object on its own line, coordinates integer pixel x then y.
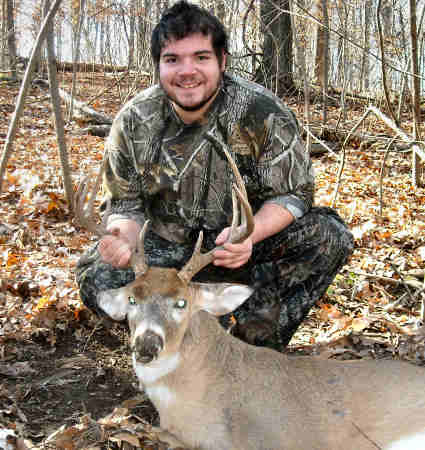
{"type": "Point", "coordinates": [213, 391]}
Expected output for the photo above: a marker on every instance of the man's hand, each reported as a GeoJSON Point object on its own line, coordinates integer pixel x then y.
{"type": "Point", "coordinates": [269, 220]}
{"type": "Point", "coordinates": [116, 248]}
{"type": "Point", "coordinates": [233, 255]}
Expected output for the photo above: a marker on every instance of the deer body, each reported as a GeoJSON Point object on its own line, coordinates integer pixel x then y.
{"type": "Point", "coordinates": [215, 392]}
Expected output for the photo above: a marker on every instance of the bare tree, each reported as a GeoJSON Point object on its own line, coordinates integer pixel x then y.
{"type": "Point", "coordinates": [275, 71]}
{"type": "Point", "coordinates": [416, 88]}
{"type": "Point", "coordinates": [78, 7]}
{"type": "Point", "coordinates": [8, 145]}
{"type": "Point", "coordinates": [132, 32]}
{"type": "Point", "coordinates": [8, 40]}
{"type": "Point", "coordinates": [321, 57]}
{"type": "Point", "coordinates": [57, 111]}
{"type": "Point", "coordinates": [320, 47]}
{"type": "Point", "coordinates": [364, 74]}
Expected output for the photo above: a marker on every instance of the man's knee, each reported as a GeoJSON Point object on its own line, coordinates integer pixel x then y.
{"type": "Point", "coordinates": [94, 276]}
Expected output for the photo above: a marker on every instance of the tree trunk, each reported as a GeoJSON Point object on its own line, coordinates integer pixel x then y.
{"type": "Point", "coordinates": [416, 90]}
{"type": "Point", "coordinates": [321, 57]}
{"type": "Point", "coordinates": [3, 35]}
{"type": "Point", "coordinates": [275, 72]}
{"type": "Point", "coordinates": [220, 10]}
{"type": "Point", "coordinates": [77, 25]}
{"type": "Point", "coordinates": [131, 34]}
{"type": "Point", "coordinates": [11, 42]}
{"type": "Point", "coordinates": [364, 77]}
{"type": "Point", "coordinates": [57, 110]}
{"type": "Point", "coordinates": [321, 49]}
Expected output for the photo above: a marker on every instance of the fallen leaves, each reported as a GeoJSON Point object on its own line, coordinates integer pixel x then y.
{"type": "Point", "coordinates": [39, 247]}
{"type": "Point", "coordinates": [119, 427]}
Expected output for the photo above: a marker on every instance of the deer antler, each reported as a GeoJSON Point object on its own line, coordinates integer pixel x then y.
{"type": "Point", "coordinates": [238, 233]}
{"type": "Point", "coordinates": [137, 260]}
{"type": "Point", "coordinates": [84, 215]}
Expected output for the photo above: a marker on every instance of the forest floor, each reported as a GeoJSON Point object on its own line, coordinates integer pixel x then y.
{"type": "Point", "coordinates": [65, 377]}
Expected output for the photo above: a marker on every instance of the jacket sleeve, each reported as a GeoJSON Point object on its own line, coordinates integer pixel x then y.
{"type": "Point", "coordinates": [284, 166]}
{"type": "Point", "coordinates": [122, 182]}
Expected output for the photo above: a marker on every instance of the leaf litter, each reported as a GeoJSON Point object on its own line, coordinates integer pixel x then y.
{"type": "Point", "coordinates": [65, 376]}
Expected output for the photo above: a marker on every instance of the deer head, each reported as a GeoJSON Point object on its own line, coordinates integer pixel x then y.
{"type": "Point", "coordinates": [159, 303]}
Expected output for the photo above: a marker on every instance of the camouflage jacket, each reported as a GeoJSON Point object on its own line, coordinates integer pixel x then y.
{"type": "Point", "coordinates": [175, 175]}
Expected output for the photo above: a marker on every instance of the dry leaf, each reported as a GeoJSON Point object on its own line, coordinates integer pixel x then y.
{"type": "Point", "coordinates": [360, 323]}
{"type": "Point", "coordinates": [126, 437]}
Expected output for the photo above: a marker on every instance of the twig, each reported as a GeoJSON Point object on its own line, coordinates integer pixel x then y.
{"type": "Point", "coordinates": [96, 327]}
{"type": "Point", "coordinates": [383, 278]}
{"type": "Point", "coordinates": [392, 306]}
{"type": "Point", "coordinates": [319, 141]}
{"type": "Point", "coordinates": [381, 174]}
{"type": "Point", "coordinates": [403, 282]}
{"type": "Point", "coordinates": [342, 158]}
{"type": "Point", "coordinates": [383, 65]}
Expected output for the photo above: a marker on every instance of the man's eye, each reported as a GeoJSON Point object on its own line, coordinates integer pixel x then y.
{"type": "Point", "coordinates": [180, 304]}
{"type": "Point", "coordinates": [131, 300]}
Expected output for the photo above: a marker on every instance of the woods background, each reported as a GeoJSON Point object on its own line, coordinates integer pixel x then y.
{"type": "Point", "coordinates": [330, 50]}
{"type": "Point", "coordinates": [353, 72]}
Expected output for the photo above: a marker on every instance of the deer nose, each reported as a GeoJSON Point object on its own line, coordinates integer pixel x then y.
{"type": "Point", "coordinates": [148, 346]}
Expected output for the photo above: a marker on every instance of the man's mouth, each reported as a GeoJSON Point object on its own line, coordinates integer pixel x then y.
{"type": "Point", "coordinates": [188, 85]}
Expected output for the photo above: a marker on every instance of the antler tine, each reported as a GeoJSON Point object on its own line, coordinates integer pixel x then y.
{"type": "Point", "coordinates": [196, 262]}
{"type": "Point", "coordinates": [137, 260]}
{"type": "Point", "coordinates": [84, 215]}
{"type": "Point", "coordinates": [238, 232]}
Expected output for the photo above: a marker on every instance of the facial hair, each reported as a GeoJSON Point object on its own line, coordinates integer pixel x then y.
{"type": "Point", "coordinates": [198, 106]}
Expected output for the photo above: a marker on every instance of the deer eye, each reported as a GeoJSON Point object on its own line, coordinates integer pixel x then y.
{"type": "Point", "coordinates": [131, 300]}
{"type": "Point", "coordinates": [180, 304]}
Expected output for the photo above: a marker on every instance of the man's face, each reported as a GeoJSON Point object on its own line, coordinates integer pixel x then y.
{"type": "Point", "coordinates": [190, 73]}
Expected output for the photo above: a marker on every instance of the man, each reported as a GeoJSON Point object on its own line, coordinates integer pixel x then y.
{"type": "Point", "coordinates": [165, 163]}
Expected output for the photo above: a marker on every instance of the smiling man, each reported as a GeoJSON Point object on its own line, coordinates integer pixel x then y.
{"type": "Point", "coordinates": [191, 74]}
{"type": "Point", "coordinates": [165, 163]}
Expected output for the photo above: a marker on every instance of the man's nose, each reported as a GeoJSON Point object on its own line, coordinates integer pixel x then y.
{"type": "Point", "coordinates": [187, 67]}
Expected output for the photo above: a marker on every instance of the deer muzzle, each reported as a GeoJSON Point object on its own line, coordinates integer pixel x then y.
{"type": "Point", "coordinates": [147, 347]}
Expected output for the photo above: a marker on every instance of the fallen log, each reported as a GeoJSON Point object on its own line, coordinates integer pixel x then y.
{"type": "Point", "coordinates": [96, 130]}
{"type": "Point", "coordinates": [81, 110]}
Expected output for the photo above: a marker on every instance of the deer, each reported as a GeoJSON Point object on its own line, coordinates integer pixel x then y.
{"type": "Point", "coordinates": [214, 391]}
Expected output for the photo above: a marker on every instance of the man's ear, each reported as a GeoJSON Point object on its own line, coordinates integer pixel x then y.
{"type": "Point", "coordinates": [220, 298]}
{"type": "Point", "coordinates": [223, 61]}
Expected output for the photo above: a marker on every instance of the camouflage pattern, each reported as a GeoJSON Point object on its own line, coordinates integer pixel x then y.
{"type": "Point", "coordinates": [290, 271]}
{"type": "Point", "coordinates": [173, 174]}
{"type": "Point", "coordinates": [176, 176]}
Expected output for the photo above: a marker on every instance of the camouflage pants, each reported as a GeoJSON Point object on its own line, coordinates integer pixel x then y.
{"type": "Point", "coordinates": [289, 271]}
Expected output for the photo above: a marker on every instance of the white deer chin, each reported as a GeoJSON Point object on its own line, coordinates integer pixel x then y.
{"type": "Point", "coordinates": [158, 368]}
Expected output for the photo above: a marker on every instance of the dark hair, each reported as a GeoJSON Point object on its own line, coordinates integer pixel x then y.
{"type": "Point", "coordinates": [183, 19]}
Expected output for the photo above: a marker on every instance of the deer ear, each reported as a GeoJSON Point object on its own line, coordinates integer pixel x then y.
{"type": "Point", "coordinates": [114, 303]}
{"type": "Point", "coordinates": [221, 298]}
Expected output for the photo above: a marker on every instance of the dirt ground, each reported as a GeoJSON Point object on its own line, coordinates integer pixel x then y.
{"type": "Point", "coordinates": [84, 377]}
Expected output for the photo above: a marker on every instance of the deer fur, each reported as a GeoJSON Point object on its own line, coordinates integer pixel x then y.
{"type": "Point", "coordinates": [213, 391]}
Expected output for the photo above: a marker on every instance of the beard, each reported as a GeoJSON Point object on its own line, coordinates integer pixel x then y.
{"type": "Point", "coordinates": [197, 106]}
